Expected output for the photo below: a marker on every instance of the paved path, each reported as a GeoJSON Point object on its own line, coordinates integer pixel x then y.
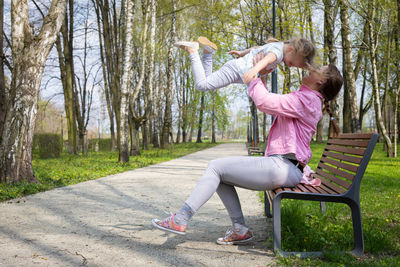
{"type": "Point", "coordinates": [107, 222]}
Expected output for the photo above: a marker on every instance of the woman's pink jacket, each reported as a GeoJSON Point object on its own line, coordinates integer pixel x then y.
{"type": "Point", "coordinates": [296, 117]}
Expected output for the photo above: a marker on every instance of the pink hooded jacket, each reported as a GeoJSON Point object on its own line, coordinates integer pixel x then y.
{"type": "Point", "coordinates": [296, 117]}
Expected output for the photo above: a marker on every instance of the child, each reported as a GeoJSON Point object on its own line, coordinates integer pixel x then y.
{"type": "Point", "coordinates": [296, 117]}
{"type": "Point", "coordinates": [297, 52]}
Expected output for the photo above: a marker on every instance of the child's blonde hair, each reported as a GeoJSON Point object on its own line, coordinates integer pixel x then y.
{"type": "Point", "coordinates": [303, 47]}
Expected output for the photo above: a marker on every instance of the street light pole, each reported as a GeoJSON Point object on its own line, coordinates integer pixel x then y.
{"type": "Point", "coordinates": [274, 78]}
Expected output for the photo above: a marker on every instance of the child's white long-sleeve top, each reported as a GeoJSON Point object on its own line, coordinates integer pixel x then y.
{"type": "Point", "coordinates": [245, 63]}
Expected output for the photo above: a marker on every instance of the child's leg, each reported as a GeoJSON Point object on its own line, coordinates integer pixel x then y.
{"type": "Point", "coordinates": [205, 80]}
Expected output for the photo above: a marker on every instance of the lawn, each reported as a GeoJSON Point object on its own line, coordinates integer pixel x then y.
{"type": "Point", "coordinates": [304, 228]}
{"type": "Point", "coordinates": [73, 169]}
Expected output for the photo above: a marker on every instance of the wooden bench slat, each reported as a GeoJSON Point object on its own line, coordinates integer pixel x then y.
{"type": "Point", "coordinates": [348, 142]}
{"type": "Point", "coordinates": [311, 188]}
{"type": "Point", "coordinates": [352, 168]}
{"type": "Point", "coordinates": [302, 188]}
{"type": "Point", "coordinates": [348, 150]}
{"type": "Point", "coordinates": [353, 136]}
{"type": "Point", "coordinates": [327, 189]}
{"type": "Point", "coordinates": [333, 178]}
{"type": "Point", "coordinates": [336, 189]}
{"type": "Point", "coordinates": [336, 171]}
{"type": "Point", "coordinates": [347, 158]}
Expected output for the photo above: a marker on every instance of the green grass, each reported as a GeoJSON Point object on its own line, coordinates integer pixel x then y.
{"type": "Point", "coordinates": [73, 169]}
{"type": "Point", "coordinates": [304, 228]}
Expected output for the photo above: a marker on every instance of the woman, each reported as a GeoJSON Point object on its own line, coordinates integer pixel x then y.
{"type": "Point", "coordinates": [288, 151]}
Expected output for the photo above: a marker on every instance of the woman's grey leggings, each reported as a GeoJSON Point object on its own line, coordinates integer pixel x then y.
{"type": "Point", "coordinates": [255, 173]}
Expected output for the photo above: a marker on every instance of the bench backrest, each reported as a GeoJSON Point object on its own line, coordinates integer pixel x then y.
{"type": "Point", "coordinates": [344, 161]}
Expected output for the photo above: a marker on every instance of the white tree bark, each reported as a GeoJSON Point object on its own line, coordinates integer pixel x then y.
{"type": "Point", "coordinates": [126, 81]}
{"type": "Point", "coordinates": [375, 86]}
{"type": "Point", "coordinates": [29, 53]}
{"type": "Point", "coordinates": [150, 91]}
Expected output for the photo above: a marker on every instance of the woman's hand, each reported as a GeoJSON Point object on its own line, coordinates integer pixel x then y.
{"type": "Point", "coordinates": [250, 75]}
{"type": "Point", "coordinates": [236, 53]}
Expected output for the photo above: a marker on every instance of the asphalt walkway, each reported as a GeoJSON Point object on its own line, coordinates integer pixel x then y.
{"type": "Point", "coordinates": [107, 222]}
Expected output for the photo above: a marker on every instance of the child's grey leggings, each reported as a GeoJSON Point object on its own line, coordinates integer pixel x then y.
{"type": "Point", "coordinates": [255, 173]}
{"type": "Point", "coordinates": [205, 79]}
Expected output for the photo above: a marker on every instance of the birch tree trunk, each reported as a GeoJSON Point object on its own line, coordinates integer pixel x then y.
{"type": "Point", "coordinates": [386, 106]}
{"type": "Point", "coordinates": [375, 86]}
{"type": "Point", "coordinates": [350, 107]}
{"type": "Point", "coordinates": [150, 85]}
{"type": "Point", "coordinates": [167, 126]}
{"type": "Point", "coordinates": [126, 82]}
{"type": "Point", "coordinates": [29, 53]}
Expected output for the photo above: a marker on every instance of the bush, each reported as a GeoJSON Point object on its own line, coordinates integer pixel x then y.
{"type": "Point", "coordinates": [105, 144]}
{"type": "Point", "coordinates": [50, 145]}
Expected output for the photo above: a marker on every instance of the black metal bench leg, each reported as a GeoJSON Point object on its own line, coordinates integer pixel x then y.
{"type": "Point", "coordinates": [322, 206]}
{"type": "Point", "coordinates": [276, 209]}
{"type": "Point", "coordinates": [357, 229]}
{"type": "Point", "coordinates": [267, 206]}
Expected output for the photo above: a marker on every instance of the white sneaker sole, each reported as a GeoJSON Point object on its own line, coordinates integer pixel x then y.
{"type": "Point", "coordinates": [234, 242]}
{"type": "Point", "coordinates": [154, 223]}
{"type": "Point", "coordinates": [207, 44]}
{"type": "Point", "coordinates": [193, 45]}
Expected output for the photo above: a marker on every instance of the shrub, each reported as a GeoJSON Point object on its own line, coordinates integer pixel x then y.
{"type": "Point", "coordinates": [105, 144]}
{"type": "Point", "coordinates": [50, 145]}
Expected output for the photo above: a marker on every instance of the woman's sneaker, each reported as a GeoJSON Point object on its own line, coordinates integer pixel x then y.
{"type": "Point", "coordinates": [169, 225]}
{"type": "Point", "coordinates": [233, 238]}
{"type": "Point", "coordinates": [185, 44]}
{"type": "Point", "coordinates": [207, 44]}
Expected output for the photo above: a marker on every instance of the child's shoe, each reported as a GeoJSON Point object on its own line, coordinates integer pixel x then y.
{"type": "Point", "coordinates": [233, 238]}
{"type": "Point", "coordinates": [207, 44]}
{"type": "Point", "coordinates": [169, 225]}
{"type": "Point", "coordinates": [185, 44]}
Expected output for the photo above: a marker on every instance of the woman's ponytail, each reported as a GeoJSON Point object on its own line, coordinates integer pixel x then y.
{"type": "Point", "coordinates": [335, 126]}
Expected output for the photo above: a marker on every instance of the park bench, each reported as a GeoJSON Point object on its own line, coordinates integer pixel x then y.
{"type": "Point", "coordinates": [340, 170]}
{"type": "Point", "coordinates": [257, 150]}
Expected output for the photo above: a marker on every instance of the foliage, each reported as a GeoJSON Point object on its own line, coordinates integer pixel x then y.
{"type": "Point", "coordinates": [50, 145]}
{"type": "Point", "coordinates": [72, 169]}
{"type": "Point", "coordinates": [304, 228]}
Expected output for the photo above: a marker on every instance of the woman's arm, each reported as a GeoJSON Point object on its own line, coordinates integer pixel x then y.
{"type": "Point", "coordinates": [287, 105]}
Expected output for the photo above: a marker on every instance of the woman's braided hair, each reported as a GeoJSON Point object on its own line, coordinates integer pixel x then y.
{"type": "Point", "coordinates": [330, 89]}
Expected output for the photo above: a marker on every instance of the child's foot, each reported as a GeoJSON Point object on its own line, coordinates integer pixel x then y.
{"type": "Point", "coordinates": [233, 238]}
{"type": "Point", "coordinates": [169, 225]}
{"type": "Point", "coordinates": [207, 45]}
{"type": "Point", "coordinates": [188, 46]}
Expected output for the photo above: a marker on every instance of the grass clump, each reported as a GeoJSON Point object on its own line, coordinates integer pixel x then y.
{"type": "Point", "coordinates": [73, 169]}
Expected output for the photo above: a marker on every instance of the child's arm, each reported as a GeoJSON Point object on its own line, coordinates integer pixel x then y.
{"type": "Point", "coordinates": [262, 64]}
{"type": "Point", "coordinates": [242, 53]}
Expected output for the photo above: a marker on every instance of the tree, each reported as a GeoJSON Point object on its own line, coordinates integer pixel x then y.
{"type": "Point", "coordinates": [373, 42]}
{"type": "Point", "coordinates": [108, 22]}
{"type": "Point", "coordinates": [2, 85]}
{"type": "Point", "coordinates": [167, 126]}
{"type": "Point", "coordinates": [29, 54]}
{"type": "Point", "coordinates": [126, 81]}
{"type": "Point", "coordinates": [350, 107]}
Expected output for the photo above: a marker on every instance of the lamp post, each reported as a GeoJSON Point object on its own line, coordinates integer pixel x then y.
{"type": "Point", "coordinates": [275, 72]}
